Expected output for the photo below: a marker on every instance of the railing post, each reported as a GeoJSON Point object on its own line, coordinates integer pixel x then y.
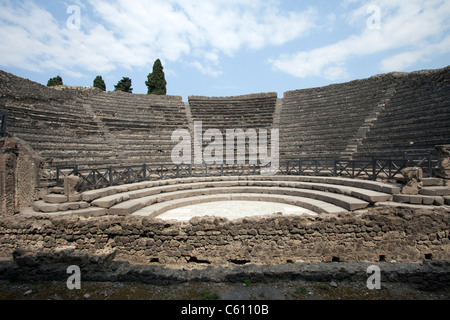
{"type": "Point", "coordinates": [57, 176]}
{"type": "Point", "coordinates": [353, 169]}
{"type": "Point", "coordinates": [335, 168]}
{"type": "Point", "coordinates": [300, 168]}
{"type": "Point", "coordinates": [390, 168]}
{"type": "Point", "coordinates": [111, 177]}
{"type": "Point", "coordinates": [374, 170]}
{"type": "Point", "coordinates": [144, 173]}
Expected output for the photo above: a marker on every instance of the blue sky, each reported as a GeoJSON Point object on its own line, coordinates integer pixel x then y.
{"type": "Point", "coordinates": [222, 47]}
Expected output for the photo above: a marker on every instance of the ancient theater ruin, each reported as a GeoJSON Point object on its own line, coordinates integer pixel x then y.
{"type": "Point", "coordinates": [363, 174]}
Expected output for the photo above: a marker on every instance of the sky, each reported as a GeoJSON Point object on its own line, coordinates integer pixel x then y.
{"type": "Point", "coordinates": [222, 47]}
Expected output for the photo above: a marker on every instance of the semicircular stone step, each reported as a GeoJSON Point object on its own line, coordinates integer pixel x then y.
{"type": "Point", "coordinates": [317, 206]}
{"type": "Point", "coordinates": [435, 191]}
{"type": "Point", "coordinates": [363, 194]}
{"type": "Point", "coordinates": [343, 201]}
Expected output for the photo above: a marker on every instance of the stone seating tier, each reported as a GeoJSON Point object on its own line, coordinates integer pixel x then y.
{"type": "Point", "coordinates": [320, 194]}
{"type": "Point", "coordinates": [397, 109]}
{"type": "Point", "coordinates": [416, 118]}
{"type": "Point", "coordinates": [249, 111]}
{"type": "Point", "coordinates": [320, 122]}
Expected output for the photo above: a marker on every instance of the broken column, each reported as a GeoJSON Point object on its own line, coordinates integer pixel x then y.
{"type": "Point", "coordinates": [443, 157]}
{"type": "Point", "coordinates": [413, 177]}
{"type": "Point", "coordinates": [71, 185]}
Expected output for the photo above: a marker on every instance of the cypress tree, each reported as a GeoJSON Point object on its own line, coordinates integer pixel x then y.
{"type": "Point", "coordinates": [56, 81]}
{"type": "Point", "coordinates": [99, 83]}
{"type": "Point", "coordinates": [156, 80]}
{"type": "Point", "coordinates": [124, 85]}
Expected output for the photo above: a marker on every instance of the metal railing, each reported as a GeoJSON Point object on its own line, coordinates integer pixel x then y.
{"type": "Point", "coordinates": [364, 169]}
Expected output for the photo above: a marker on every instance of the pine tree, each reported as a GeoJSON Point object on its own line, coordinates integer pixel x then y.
{"type": "Point", "coordinates": [124, 85]}
{"type": "Point", "coordinates": [156, 81]}
{"type": "Point", "coordinates": [99, 83]}
{"type": "Point", "coordinates": [56, 81]}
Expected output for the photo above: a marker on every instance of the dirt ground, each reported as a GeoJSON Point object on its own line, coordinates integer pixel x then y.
{"type": "Point", "coordinates": [289, 290]}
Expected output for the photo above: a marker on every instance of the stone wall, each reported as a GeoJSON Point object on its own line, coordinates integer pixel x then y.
{"type": "Point", "coordinates": [19, 176]}
{"type": "Point", "coordinates": [394, 234]}
{"type": "Point", "coordinates": [20, 90]}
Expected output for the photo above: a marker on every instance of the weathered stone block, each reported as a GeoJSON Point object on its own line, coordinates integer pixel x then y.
{"type": "Point", "coordinates": [435, 191]}
{"type": "Point", "coordinates": [57, 190]}
{"type": "Point", "coordinates": [41, 206]}
{"type": "Point", "coordinates": [438, 201]}
{"type": "Point", "coordinates": [74, 198]}
{"type": "Point", "coordinates": [447, 200]}
{"type": "Point", "coordinates": [55, 198]}
{"type": "Point", "coordinates": [63, 206]}
{"type": "Point", "coordinates": [413, 177]}
{"type": "Point", "coordinates": [71, 184]}
{"type": "Point", "coordinates": [443, 155]}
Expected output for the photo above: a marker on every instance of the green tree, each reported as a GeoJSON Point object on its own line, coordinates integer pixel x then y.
{"type": "Point", "coordinates": [99, 83]}
{"type": "Point", "coordinates": [156, 80]}
{"type": "Point", "coordinates": [124, 85]}
{"type": "Point", "coordinates": [56, 81]}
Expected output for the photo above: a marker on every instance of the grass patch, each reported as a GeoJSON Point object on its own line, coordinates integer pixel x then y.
{"type": "Point", "coordinates": [210, 295]}
{"type": "Point", "coordinates": [323, 286]}
{"type": "Point", "coordinates": [301, 290]}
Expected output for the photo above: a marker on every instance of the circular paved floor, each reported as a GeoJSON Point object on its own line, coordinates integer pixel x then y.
{"type": "Point", "coordinates": [231, 210]}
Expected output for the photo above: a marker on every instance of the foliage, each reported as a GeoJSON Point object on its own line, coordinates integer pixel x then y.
{"type": "Point", "coordinates": [56, 81]}
{"type": "Point", "coordinates": [156, 80]}
{"type": "Point", "coordinates": [124, 85]}
{"type": "Point", "coordinates": [210, 296]}
{"type": "Point", "coordinates": [99, 83]}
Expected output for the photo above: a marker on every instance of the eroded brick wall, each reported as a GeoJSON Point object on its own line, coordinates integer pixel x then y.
{"type": "Point", "coordinates": [19, 176]}
{"type": "Point", "coordinates": [401, 235]}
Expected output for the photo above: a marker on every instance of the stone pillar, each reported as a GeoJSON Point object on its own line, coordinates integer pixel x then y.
{"type": "Point", "coordinates": [443, 156]}
{"type": "Point", "coordinates": [7, 180]}
{"type": "Point", "coordinates": [19, 176]}
{"type": "Point", "coordinates": [70, 188]}
{"type": "Point", "coordinates": [413, 177]}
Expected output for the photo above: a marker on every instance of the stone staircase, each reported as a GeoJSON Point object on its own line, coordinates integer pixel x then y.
{"type": "Point", "coordinates": [252, 111]}
{"type": "Point", "coordinates": [415, 119]}
{"type": "Point", "coordinates": [326, 122]}
{"type": "Point", "coordinates": [356, 141]}
{"type": "Point", "coordinates": [433, 192]}
{"type": "Point", "coordinates": [382, 116]}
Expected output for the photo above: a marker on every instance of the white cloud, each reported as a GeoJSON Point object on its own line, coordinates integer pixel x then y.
{"type": "Point", "coordinates": [406, 59]}
{"type": "Point", "coordinates": [116, 34]}
{"type": "Point", "coordinates": [206, 69]}
{"type": "Point", "coordinates": [416, 28]}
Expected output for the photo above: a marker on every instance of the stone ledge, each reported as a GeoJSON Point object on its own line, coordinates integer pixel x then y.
{"type": "Point", "coordinates": [435, 191]}
{"type": "Point", "coordinates": [408, 205]}
{"type": "Point", "coordinates": [419, 199]}
{"type": "Point", "coordinates": [317, 206]}
{"type": "Point", "coordinates": [55, 198]}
